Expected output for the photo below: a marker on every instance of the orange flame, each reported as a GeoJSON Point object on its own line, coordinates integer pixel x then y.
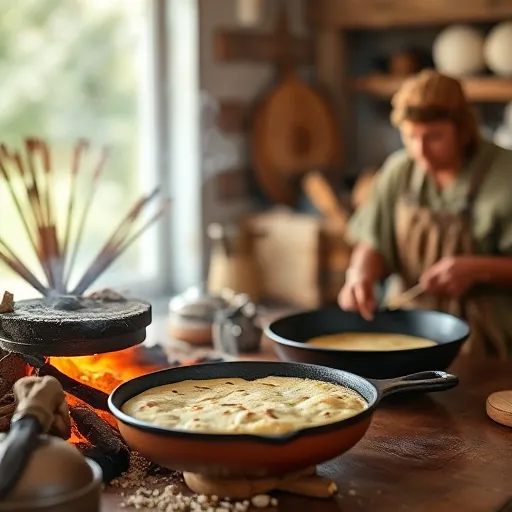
{"type": "Point", "coordinates": [104, 371]}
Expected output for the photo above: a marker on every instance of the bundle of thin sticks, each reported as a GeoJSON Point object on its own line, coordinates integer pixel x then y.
{"type": "Point", "coordinates": [36, 204]}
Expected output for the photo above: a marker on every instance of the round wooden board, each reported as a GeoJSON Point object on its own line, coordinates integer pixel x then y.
{"type": "Point", "coordinates": [499, 407]}
{"type": "Point", "coordinates": [294, 131]}
{"type": "Point", "coordinates": [274, 185]}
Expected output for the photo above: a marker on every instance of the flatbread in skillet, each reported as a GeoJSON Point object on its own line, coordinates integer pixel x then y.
{"type": "Point", "coordinates": [268, 406]}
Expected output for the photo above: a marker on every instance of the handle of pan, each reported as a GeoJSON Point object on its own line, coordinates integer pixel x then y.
{"type": "Point", "coordinates": [423, 381]}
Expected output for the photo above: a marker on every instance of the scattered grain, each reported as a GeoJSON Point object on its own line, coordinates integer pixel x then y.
{"type": "Point", "coordinates": [147, 489]}
{"type": "Point", "coordinates": [261, 501]}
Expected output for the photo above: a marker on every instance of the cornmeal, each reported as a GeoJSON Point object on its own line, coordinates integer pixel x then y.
{"type": "Point", "coordinates": [272, 405]}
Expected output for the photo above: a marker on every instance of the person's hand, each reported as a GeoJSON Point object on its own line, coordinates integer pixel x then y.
{"type": "Point", "coordinates": [450, 276]}
{"type": "Point", "coordinates": [358, 295]}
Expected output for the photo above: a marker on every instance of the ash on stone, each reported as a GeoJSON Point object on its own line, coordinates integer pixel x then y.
{"type": "Point", "coordinates": [66, 303]}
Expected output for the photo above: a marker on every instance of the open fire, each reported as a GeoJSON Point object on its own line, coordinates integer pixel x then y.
{"type": "Point", "coordinates": [106, 371]}
{"type": "Point", "coordinates": [87, 381]}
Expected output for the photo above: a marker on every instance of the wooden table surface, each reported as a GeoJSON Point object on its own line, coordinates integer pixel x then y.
{"type": "Point", "coordinates": [438, 452]}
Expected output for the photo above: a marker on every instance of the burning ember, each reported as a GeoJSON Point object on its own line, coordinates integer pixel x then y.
{"type": "Point", "coordinates": [103, 372]}
{"type": "Point", "coordinates": [106, 371]}
{"type": "Point", "coordinates": [87, 381]}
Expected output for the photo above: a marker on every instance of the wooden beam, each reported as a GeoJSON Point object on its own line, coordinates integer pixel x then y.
{"type": "Point", "coordinates": [331, 73]}
{"type": "Point", "coordinates": [234, 116]}
{"type": "Point", "coordinates": [248, 45]}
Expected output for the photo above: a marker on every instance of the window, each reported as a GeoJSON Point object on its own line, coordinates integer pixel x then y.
{"type": "Point", "coordinates": [92, 69]}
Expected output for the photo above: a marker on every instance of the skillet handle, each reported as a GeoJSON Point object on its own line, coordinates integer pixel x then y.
{"type": "Point", "coordinates": [423, 381]}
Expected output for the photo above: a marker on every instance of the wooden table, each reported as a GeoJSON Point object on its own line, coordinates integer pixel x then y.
{"type": "Point", "coordinates": [423, 453]}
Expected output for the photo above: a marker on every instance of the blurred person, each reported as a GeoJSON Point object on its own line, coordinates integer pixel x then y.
{"type": "Point", "coordinates": [440, 215]}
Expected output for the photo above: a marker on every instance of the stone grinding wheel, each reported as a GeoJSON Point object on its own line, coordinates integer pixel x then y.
{"type": "Point", "coordinates": [73, 326]}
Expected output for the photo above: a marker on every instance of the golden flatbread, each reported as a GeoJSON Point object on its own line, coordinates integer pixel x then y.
{"type": "Point", "coordinates": [272, 405]}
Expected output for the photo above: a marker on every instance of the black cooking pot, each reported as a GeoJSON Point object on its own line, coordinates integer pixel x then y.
{"type": "Point", "coordinates": [291, 333]}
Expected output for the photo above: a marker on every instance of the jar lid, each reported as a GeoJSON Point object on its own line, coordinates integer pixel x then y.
{"type": "Point", "coordinates": [195, 302]}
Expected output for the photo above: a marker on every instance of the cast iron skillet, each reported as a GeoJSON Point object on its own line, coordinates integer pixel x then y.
{"type": "Point", "coordinates": [290, 333]}
{"type": "Point", "coordinates": [256, 456]}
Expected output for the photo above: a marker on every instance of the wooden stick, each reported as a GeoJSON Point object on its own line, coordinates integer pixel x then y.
{"type": "Point", "coordinates": [48, 192]}
{"type": "Point", "coordinates": [38, 179]}
{"type": "Point", "coordinates": [21, 270]}
{"type": "Point", "coordinates": [405, 297]}
{"type": "Point", "coordinates": [50, 231]}
{"type": "Point", "coordinates": [32, 195]}
{"type": "Point", "coordinates": [17, 203]}
{"type": "Point", "coordinates": [41, 194]}
{"type": "Point", "coordinates": [121, 232]}
{"type": "Point", "coordinates": [80, 147]}
{"type": "Point", "coordinates": [16, 158]}
{"type": "Point", "coordinates": [36, 193]}
{"type": "Point", "coordinates": [85, 212]}
{"type": "Point", "coordinates": [111, 243]}
{"type": "Point", "coordinates": [112, 251]}
{"type": "Point", "coordinates": [31, 147]}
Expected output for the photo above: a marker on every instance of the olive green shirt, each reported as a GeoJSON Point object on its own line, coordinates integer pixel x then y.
{"type": "Point", "coordinates": [374, 224]}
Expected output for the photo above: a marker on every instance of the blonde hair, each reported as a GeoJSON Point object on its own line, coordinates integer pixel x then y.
{"type": "Point", "coordinates": [430, 96]}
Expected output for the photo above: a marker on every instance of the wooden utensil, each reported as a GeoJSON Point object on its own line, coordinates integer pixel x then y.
{"type": "Point", "coordinates": [404, 298]}
{"type": "Point", "coordinates": [294, 128]}
{"type": "Point", "coordinates": [499, 407]}
{"type": "Point", "coordinates": [323, 197]}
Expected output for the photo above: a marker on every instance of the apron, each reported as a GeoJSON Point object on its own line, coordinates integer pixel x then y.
{"type": "Point", "coordinates": [423, 237]}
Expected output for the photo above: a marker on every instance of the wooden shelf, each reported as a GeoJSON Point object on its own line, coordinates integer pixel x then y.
{"type": "Point", "coordinates": [479, 89]}
{"type": "Point", "coordinates": [379, 14]}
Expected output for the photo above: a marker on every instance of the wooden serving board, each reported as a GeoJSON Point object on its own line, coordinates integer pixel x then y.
{"type": "Point", "coordinates": [294, 129]}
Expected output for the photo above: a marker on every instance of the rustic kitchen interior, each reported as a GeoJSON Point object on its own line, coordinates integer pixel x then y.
{"type": "Point", "coordinates": [177, 181]}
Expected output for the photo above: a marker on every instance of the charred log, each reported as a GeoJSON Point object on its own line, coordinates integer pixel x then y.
{"type": "Point", "coordinates": [94, 397]}
{"type": "Point", "coordinates": [112, 466]}
{"type": "Point", "coordinates": [104, 445]}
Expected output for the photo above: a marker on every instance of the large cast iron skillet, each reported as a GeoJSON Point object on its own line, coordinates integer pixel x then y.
{"type": "Point", "coordinates": [234, 455]}
{"type": "Point", "coordinates": [291, 332]}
